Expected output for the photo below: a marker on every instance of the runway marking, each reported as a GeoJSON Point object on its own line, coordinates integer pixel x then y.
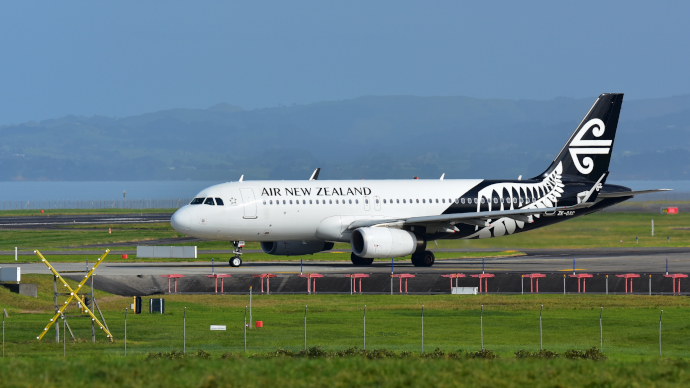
{"type": "Point", "coordinates": [570, 269]}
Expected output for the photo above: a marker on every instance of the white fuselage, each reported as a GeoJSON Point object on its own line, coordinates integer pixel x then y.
{"type": "Point", "coordinates": [311, 210]}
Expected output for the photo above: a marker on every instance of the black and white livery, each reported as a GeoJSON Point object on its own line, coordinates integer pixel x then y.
{"type": "Point", "coordinates": [395, 218]}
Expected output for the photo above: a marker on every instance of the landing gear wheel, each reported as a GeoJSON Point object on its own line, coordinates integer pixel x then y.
{"type": "Point", "coordinates": [356, 260]}
{"type": "Point", "coordinates": [237, 260]}
{"type": "Point", "coordinates": [415, 260]}
{"type": "Point", "coordinates": [427, 259]}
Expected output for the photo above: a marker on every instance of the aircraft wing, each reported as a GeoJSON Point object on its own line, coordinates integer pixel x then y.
{"type": "Point", "coordinates": [473, 218]}
{"type": "Point", "coordinates": [629, 193]}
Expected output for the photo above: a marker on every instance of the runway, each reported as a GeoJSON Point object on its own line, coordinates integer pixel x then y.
{"type": "Point", "coordinates": [48, 221]}
{"type": "Point", "coordinates": [612, 260]}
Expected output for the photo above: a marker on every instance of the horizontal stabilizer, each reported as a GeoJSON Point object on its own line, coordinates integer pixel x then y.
{"type": "Point", "coordinates": [631, 193]}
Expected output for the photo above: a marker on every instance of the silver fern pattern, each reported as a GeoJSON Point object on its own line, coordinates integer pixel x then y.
{"type": "Point", "coordinates": [515, 195]}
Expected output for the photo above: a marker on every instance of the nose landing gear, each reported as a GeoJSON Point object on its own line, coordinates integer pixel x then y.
{"type": "Point", "coordinates": [237, 260]}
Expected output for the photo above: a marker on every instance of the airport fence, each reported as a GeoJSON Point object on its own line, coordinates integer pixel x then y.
{"type": "Point", "coordinates": [621, 330]}
{"type": "Point", "coordinates": [138, 204]}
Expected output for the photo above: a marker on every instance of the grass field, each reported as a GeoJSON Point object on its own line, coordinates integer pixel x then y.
{"type": "Point", "coordinates": [451, 323]}
{"type": "Point", "coordinates": [335, 322]}
{"type": "Point", "coordinates": [348, 372]}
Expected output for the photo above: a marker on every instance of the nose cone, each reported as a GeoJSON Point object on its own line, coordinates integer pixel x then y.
{"type": "Point", "coordinates": [182, 219]}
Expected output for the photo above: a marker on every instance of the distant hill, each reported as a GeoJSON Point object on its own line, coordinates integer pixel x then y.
{"type": "Point", "coordinates": [367, 137]}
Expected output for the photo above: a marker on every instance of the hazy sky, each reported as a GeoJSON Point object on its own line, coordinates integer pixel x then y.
{"type": "Point", "coordinates": [124, 58]}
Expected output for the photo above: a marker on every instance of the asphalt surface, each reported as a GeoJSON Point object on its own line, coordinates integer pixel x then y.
{"type": "Point", "coordinates": [613, 260]}
{"type": "Point", "coordinates": [600, 260]}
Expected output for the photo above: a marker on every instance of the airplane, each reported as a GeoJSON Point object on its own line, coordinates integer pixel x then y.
{"type": "Point", "coordinates": [396, 218]}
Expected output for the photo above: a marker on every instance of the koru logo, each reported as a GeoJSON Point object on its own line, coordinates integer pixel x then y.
{"type": "Point", "coordinates": [589, 147]}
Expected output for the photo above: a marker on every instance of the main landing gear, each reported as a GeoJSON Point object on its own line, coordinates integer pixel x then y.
{"type": "Point", "coordinates": [423, 259]}
{"type": "Point", "coordinates": [356, 260]}
{"type": "Point", "coordinates": [237, 260]}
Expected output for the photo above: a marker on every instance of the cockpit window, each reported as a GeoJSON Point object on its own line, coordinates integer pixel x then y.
{"type": "Point", "coordinates": [219, 202]}
{"type": "Point", "coordinates": [197, 201]}
{"type": "Point", "coordinates": [209, 201]}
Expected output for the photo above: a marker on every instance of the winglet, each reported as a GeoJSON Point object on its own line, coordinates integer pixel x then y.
{"type": "Point", "coordinates": [443, 175]}
{"type": "Point", "coordinates": [315, 175]}
{"type": "Point", "coordinates": [241, 178]}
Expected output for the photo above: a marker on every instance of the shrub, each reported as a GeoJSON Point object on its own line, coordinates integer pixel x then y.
{"type": "Point", "coordinates": [540, 354]}
{"type": "Point", "coordinates": [590, 354]}
{"type": "Point", "coordinates": [484, 353]}
{"type": "Point", "coordinates": [176, 355]}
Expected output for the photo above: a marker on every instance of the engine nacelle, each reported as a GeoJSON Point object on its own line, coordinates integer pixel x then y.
{"type": "Point", "coordinates": [379, 243]}
{"type": "Point", "coordinates": [295, 248]}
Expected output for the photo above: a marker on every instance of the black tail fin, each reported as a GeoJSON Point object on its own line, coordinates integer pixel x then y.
{"type": "Point", "coordinates": [587, 153]}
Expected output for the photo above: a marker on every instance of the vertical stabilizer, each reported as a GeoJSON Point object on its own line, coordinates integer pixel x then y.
{"type": "Point", "coordinates": [587, 154]}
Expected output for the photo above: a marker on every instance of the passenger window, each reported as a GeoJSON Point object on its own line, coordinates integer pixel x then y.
{"type": "Point", "coordinates": [349, 200]}
{"type": "Point", "coordinates": [366, 201]}
{"type": "Point", "coordinates": [209, 201]}
{"type": "Point", "coordinates": [197, 201]}
{"type": "Point", "coordinates": [457, 201]}
{"type": "Point", "coordinates": [336, 201]}
{"type": "Point", "coordinates": [443, 200]}
{"type": "Point", "coordinates": [404, 201]}
{"type": "Point", "coordinates": [462, 200]}
{"type": "Point", "coordinates": [384, 200]}
{"type": "Point", "coordinates": [284, 202]}
{"type": "Point", "coordinates": [436, 200]}
{"type": "Point", "coordinates": [264, 201]}
{"type": "Point", "coordinates": [356, 201]}
{"type": "Point", "coordinates": [219, 202]}
{"type": "Point", "coordinates": [495, 200]}
{"type": "Point", "coordinates": [423, 200]}
{"type": "Point", "coordinates": [310, 202]}
{"type": "Point", "coordinates": [330, 201]}
{"type": "Point", "coordinates": [397, 201]}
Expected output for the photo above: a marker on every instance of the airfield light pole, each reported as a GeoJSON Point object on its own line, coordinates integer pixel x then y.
{"type": "Point", "coordinates": [126, 309]}
{"type": "Point", "coordinates": [64, 337]}
{"type": "Point", "coordinates": [601, 331]}
{"type": "Point", "coordinates": [541, 338]}
{"type": "Point", "coordinates": [250, 307]}
{"type": "Point", "coordinates": [4, 314]}
{"type": "Point", "coordinates": [305, 327]}
{"type": "Point", "coordinates": [184, 332]}
{"type": "Point", "coordinates": [391, 276]}
{"type": "Point", "coordinates": [245, 329]}
{"type": "Point", "coordinates": [660, 315]}
{"type": "Point", "coordinates": [422, 328]}
{"type": "Point", "coordinates": [364, 327]}
{"type": "Point", "coordinates": [481, 326]}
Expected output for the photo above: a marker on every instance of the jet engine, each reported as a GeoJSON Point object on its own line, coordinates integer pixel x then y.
{"type": "Point", "coordinates": [379, 242]}
{"type": "Point", "coordinates": [295, 248]}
